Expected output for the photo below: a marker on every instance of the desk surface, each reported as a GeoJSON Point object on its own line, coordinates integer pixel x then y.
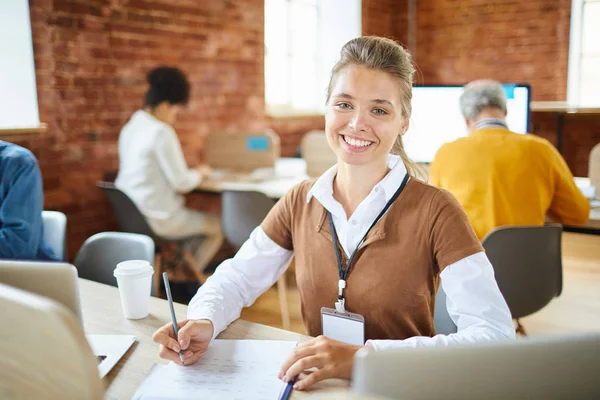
{"type": "Point", "coordinates": [562, 107]}
{"type": "Point", "coordinates": [102, 315]}
{"type": "Point", "coordinates": [288, 172]}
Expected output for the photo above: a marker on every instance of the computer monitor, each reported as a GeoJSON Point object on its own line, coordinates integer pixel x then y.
{"type": "Point", "coordinates": [436, 118]}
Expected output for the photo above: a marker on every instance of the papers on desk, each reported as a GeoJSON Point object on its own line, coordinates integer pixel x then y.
{"type": "Point", "coordinates": [230, 369]}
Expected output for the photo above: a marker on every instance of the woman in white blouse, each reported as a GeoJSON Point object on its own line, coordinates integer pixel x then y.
{"type": "Point", "coordinates": [406, 236]}
{"type": "Point", "coordinates": [153, 171]}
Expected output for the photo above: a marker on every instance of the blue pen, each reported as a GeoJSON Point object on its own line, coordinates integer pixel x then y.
{"type": "Point", "coordinates": [288, 389]}
{"type": "Point", "coordinates": [173, 318]}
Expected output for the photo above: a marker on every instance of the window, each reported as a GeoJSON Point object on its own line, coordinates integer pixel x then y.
{"type": "Point", "coordinates": [18, 103]}
{"type": "Point", "coordinates": [303, 39]}
{"type": "Point", "coordinates": [584, 54]}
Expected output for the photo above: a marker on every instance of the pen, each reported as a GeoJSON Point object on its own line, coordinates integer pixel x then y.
{"type": "Point", "coordinates": [288, 389]}
{"type": "Point", "coordinates": [173, 318]}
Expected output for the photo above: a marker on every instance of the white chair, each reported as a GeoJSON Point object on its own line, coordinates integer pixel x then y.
{"type": "Point", "coordinates": [241, 213]}
{"type": "Point", "coordinates": [55, 232]}
{"type": "Point", "coordinates": [100, 254]}
{"type": "Point", "coordinates": [43, 351]}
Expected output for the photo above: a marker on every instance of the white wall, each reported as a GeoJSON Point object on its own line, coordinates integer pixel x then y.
{"type": "Point", "coordinates": [18, 95]}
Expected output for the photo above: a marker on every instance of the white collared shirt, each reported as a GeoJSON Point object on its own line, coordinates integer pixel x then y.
{"type": "Point", "coordinates": [152, 169]}
{"type": "Point", "coordinates": [351, 230]}
{"type": "Point", "coordinates": [473, 299]}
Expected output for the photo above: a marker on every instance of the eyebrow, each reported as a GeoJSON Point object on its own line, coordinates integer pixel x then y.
{"type": "Point", "coordinates": [349, 97]}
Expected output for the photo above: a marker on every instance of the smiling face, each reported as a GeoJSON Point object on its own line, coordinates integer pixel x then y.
{"type": "Point", "coordinates": [364, 115]}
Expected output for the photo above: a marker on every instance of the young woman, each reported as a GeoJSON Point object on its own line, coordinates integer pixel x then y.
{"type": "Point", "coordinates": [153, 171]}
{"type": "Point", "coordinates": [400, 234]}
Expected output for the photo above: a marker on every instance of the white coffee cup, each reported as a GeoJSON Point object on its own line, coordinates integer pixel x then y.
{"type": "Point", "coordinates": [134, 278]}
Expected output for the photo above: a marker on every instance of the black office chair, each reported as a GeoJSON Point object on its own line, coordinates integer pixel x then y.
{"type": "Point", "coordinates": [527, 262]}
{"type": "Point", "coordinates": [130, 219]}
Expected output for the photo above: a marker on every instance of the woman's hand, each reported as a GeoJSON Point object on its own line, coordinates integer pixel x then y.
{"type": "Point", "coordinates": [204, 171]}
{"type": "Point", "coordinates": [332, 359]}
{"type": "Point", "coordinates": [194, 338]}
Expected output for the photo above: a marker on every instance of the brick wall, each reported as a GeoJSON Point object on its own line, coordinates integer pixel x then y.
{"type": "Point", "coordinates": [508, 40]}
{"type": "Point", "coordinates": [91, 58]}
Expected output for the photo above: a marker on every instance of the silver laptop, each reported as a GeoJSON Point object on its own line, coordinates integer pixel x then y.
{"type": "Point", "coordinates": [58, 281]}
{"type": "Point", "coordinates": [562, 367]}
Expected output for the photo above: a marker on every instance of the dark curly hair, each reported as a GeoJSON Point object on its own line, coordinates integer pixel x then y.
{"type": "Point", "coordinates": [167, 84]}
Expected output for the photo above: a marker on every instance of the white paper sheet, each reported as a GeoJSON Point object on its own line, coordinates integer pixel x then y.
{"type": "Point", "coordinates": [230, 369]}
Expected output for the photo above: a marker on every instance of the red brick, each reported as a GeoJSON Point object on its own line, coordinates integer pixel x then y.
{"type": "Point", "coordinates": [92, 57]}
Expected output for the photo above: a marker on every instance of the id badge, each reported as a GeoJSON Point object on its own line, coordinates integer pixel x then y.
{"type": "Point", "coordinates": [344, 327]}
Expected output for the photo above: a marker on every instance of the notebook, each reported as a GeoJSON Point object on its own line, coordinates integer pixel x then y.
{"type": "Point", "coordinates": [230, 369]}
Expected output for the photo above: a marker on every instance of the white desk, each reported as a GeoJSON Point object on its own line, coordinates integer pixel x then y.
{"type": "Point", "coordinates": [102, 315]}
{"type": "Point", "coordinates": [288, 172]}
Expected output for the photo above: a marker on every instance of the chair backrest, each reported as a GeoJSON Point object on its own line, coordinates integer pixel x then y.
{"type": "Point", "coordinates": [594, 169]}
{"type": "Point", "coordinates": [241, 213]}
{"type": "Point", "coordinates": [527, 263]}
{"type": "Point", "coordinates": [55, 232]}
{"type": "Point", "coordinates": [550, 368]}
{"type": "Point", "coordinates": [100, 254]}
{"type": "Point", "coordinates": [43, 352]}
{"type": "Point", "coordinates": [316, 152]}
{"type": "Point", "coordinates": [441, 319]}
{"type": "Point", "coordinates": [129, 217]}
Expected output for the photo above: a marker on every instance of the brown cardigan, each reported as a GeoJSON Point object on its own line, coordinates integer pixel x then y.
{"type": "Point", "coordinates": [395, 275]}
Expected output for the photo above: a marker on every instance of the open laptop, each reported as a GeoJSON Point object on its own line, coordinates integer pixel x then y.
{"type": "Point", "coordinates": [58, 281]}
{"type": "Point", "coordinates": [561, 367]}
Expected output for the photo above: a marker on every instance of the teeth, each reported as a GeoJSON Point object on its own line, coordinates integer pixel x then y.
{"type": "Point", "coordinates": [356, 143]}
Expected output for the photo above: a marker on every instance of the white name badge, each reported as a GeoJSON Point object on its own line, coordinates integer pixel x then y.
{"type": "Point", "coordinates": [344, 327]}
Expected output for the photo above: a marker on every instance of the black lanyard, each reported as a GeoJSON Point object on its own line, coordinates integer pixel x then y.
{"type": "Point", "coordinates": [344, 272]}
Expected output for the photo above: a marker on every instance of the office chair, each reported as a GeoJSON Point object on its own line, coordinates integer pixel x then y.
{"type": "Point", "coordinates": [130, 219]}
{"type": "Point", "coordinates": [241, 213]}
{"type": "Point", "coordinates": [527, 263]}
{"type": "Point", "coordinates": [55, 232]}
{"type": "Point", "coordinates": [441, 319]}
{"type": "Point", "coordinates": [100, 254]}
{"type": "Point", "coordinates": [43, 352]}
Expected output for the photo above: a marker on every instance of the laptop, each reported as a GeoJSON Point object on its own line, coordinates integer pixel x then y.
{"type": "Point", "coordinates": [561, 367]}
{"type": "Point", "coordinates": [58, 281]}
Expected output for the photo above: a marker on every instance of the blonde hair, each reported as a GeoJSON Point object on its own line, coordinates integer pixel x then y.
{"type": "Point", "coordinates": [385, 55]}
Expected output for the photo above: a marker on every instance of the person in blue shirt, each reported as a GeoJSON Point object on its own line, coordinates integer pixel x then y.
{"type": "Point", "coordinates": [21, 203]}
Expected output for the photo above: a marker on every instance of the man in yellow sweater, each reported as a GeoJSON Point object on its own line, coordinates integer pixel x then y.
{"type": "Point", "coordinates": [501, 177]}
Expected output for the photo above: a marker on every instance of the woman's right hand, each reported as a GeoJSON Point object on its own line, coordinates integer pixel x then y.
{"type": "Point", "coordinates": [194, 337]}
{"type": "Point", "coordinates": [204, 171]}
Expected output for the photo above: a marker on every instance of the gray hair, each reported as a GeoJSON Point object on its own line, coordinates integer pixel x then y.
{"type": "Point", "coordinates": [479, 95]}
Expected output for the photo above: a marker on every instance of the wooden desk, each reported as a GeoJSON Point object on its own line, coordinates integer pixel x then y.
{"type": "Point", "coordinates": [102, 314]}
{"type": "Point", "coordinates": [288, 172]}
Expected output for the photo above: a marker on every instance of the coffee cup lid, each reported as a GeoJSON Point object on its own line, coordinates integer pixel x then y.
{"type": "Point", "coordinates": [133, 268]}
